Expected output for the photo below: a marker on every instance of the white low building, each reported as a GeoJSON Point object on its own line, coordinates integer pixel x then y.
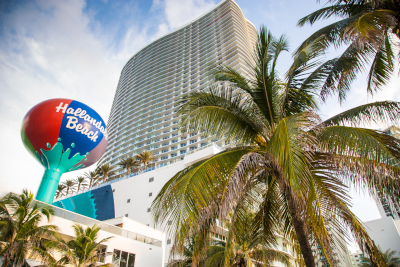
{"type": "Point", "coordinates": [132, 243]}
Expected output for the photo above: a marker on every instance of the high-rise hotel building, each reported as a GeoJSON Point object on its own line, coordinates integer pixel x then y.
{"type": "Point", "coordinates": [143, 115]}
{"type": "Point", "coordinates": [153, 81]}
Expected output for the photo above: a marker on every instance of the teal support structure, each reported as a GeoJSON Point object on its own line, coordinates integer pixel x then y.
{"type": "Point", "coordinates": [48, 186]}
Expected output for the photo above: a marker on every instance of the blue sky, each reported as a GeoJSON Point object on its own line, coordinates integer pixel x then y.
{"type": "Point", "coordinates": [76, 49]}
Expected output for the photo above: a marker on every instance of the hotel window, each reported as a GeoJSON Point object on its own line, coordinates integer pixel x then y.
{"type": "Point", "coordinates": [150, 194]}
{"type": "Point", "coordinates": [148, 210]}
{"type": "Point", "coordinates": [151, 179]}
{"type": "Point", "coordinates": [168, 241]}
{"type": "Point", "coordinates": [123, 259]}
{"type": "Point", "coordinates": [128, 201]}
{"type": "Point", "coordinates": [102, 254]}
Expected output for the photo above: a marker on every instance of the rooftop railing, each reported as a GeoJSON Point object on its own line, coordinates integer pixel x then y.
{"type": "Point", "coordinates": [72, 216]}
{"type": "Point", "coordinates": [136, 173]}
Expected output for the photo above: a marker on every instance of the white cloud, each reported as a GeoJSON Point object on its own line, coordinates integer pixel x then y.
{"type": "Point", "coordinates": [180, 12]}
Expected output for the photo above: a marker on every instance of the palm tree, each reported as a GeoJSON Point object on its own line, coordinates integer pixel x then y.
{"type": "Point", "coordinates": [389, 256]}
{"type": "Point", "coordinates": [69, 184]}
{"type": "Point", "coordinates": [105, 170]}
{"type": "Point", "coordinates": [129, 163]}
{"type": "Point", "coordinates": [82, 251]}
{"type": "Point", "coordinates": [80, 181]}
{"type": "Point", "coordinates": [145, 157]}
{"type": "Point", "coordinates": [371, 29]}
{"type": "Point", "coordinates": [285, 156]}
{"type": "Point", "coordinates": [93, 177]}
{"type": "Point", "coordinates": [20, 216]}
{"type": "Point", "coordinates": [60, 189]}
{"type": "Point", "coordinates": [244, 246]}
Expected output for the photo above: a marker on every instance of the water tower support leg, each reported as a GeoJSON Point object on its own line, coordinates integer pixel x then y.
{"type": "Point", "coordinates": [48, 186]}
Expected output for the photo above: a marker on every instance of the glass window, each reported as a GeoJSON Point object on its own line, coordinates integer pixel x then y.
{"type": "Point", "coordinates": [116, 257]}
{"type": "Point", "coordinates": [124, 259]}
{"type": "Point", "coordinates": [131, 260]}
{"type": "Point", "coordinates": [102, 254]}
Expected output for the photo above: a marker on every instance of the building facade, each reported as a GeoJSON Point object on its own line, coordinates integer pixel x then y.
{"type": "Point", "coordinates": [154, 80]}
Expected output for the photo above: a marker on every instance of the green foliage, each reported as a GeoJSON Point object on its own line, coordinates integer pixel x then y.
{"type": "Point", "coordinates": [129, 163]}
{"type": "Point", "coordinates": [81, 182]}
{"type": "Point", "coordinates": [245, 245]}
{"type": "Point", "coordinates": [370, 29]}
{"type": "Point", "coordinates": [82, 251]}
{"type": "Point", "coordinates": [69, 185]}
{"type": "Point", "coordinates": [145, 157]}
{"type": "Point", "coordinates": [390, 257]}
{"type": "Point", "coordinates": [93, 178]}
{"type": "Point", "coordinates": [60, 190]}
{"type": "Point", "coordinates": [286, 165]}
{"type": "Point", "coordinates": [105, 171]}
{"type": "Point", "coordinates": [20, 216]}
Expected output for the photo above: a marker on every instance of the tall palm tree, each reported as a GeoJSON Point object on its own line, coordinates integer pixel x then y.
{"type": "Point", "coordinates": [145, 157]}
{"type": "Point", "coordinates": [129, 163]}
{"type": "Point", "coordinates": [82, 251]}
{"type": "Point", "coordinates": [20, 216]}
{"type": "Point", "coordinates": [297, 165]}
{"type": "Point", "coordinates": [105, 171]}
{"type": "Point", "coordinates": [390, 257]}
{"type": "Point", "coordinates": [60, 189]}
{"type": "Point", "coordinates": [93, 177]}
{"type": "Point", "coordinates": [370, 29]}
{"type": "Point", "coordinates": [69, 184]}
{"type": "Point", "coordinates": [80, 181]}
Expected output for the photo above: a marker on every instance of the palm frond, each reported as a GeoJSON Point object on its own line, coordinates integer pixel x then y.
{"type": "Point", "coordinates": [221, 113]}
{"type": "Point", "coordinates": [341, 11]}
{"type": "Point", "coordinates": [382, 67]}
{"type": "Point", "coordinates": [377, 112]}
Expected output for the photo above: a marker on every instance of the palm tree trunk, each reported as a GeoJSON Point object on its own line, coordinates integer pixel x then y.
{"type": "Point", "coordinates": [67, 190]}
{"type": "Point", "coordinates": [129, 170]}
{"type": "Point", "coordinates": [145, 165]}
{"type": "Point", "coordinates": [299, 225]}
{"type": "Point", "coordinates": [79, 186]}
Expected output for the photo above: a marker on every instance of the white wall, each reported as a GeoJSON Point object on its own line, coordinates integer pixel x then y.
{"type": "Point", "coordinates": [384, 232]}
{"type": "Point", "coordinates": [146, 255]}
